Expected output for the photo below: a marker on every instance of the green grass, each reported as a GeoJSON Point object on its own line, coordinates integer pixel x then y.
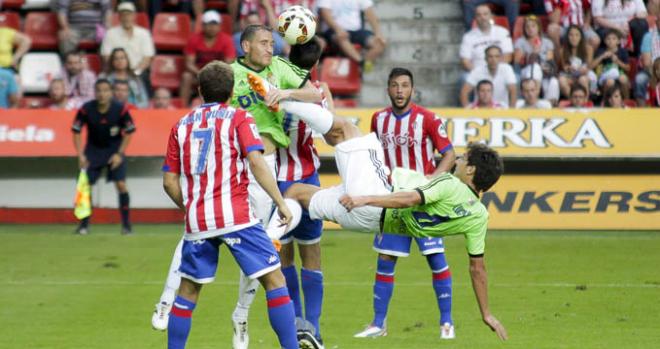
{"type": "Point", "coordinates": [550, 289]}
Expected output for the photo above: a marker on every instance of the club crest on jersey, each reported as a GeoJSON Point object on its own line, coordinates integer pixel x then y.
{"type": "Point", "coordinates": [442, 130]}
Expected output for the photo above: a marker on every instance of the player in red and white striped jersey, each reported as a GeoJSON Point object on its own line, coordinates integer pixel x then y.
{"type": "Point", "coordinates": [206, 176]}
{"type": "Point", "coordinates": [410, 136]}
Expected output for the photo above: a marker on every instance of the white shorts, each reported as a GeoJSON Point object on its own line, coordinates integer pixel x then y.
{"type": "Point", "coordinates": [259, 199]}
{"type": "Point", "coordinates": [361, 165]}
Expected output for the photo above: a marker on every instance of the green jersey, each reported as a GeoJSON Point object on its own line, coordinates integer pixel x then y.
{"type": "Point", "coordinates": [281, 74]}
{"type": "Point", "coordinates": [448, 207]}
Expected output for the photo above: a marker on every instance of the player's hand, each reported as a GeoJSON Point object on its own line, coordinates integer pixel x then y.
{"type": "Point", "coordinates": [82, 162]}
{"type": "Point", "coordinates": [285, 215]}
{"type": "Point", "coordinates": [115, 160]}
{"type": "Point", "coordinates": [274, 96]}
{"type": "Point", "coordinates": [496, 326]}
{"type": "Point", "coordinates": [351, 202]}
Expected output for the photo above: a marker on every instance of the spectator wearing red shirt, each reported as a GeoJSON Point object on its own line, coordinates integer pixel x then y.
{"type": "Point", "coordinates": [204, 47]}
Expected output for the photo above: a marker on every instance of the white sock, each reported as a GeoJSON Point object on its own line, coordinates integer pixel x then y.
{"type": "Point", "coordinates": [173, 278]}
{"type": "Point", "coordinates": [314, 115]}
{"type": "Point", "coordinates": [274, 230]}
{"type": "Point", "coordinates": [247, 289]}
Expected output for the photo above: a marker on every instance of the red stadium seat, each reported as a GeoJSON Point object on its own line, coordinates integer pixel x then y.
{"type": "Point", "coordinates": [88, 45]}
{"type": "Point", "coordinates": [630, 103]}
{"type": "Point", "coordinates": [42, 28]}
{"type": "Point", "coordinates": [567, 104]}
{"type": "Point", "coordinates": [171, 31]}
{"type": "Point", "coordinates": [520, 22]}
{"type": "Point", "coordinates": [166, 71]}
{"type": "Point", "coordinates": [226, 26]}
{"type": "Point", "coordinates": [10, 19]}
{"type": "Point", "coordinates": [34, 102]}
{"type": "Point", "coordinates": [216, 5]}
{"type": "Point", "coordinates": [177, 103]}
{"type": "Point", "coordinates": [342, 75]}
{"type": "Point", "coordinates": [93, 62]}
{"type": "Point", "coordinates": [634, 67]}
{"type": "Point", "coordinates": [141, 19]}
{"type": "Point", "coordinates": [502, 21]}
{"type": "Point", "coordinates": [15, 4]}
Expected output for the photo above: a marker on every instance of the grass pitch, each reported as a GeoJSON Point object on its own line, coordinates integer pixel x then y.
{"type": "Point", "coordinates": [550, 289]}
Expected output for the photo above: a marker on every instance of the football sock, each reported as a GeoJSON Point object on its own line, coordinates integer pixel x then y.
{"type": "Point", "coordinates": [173, 278]}
{"type": "Point", "coordinates": [124, 201]}
{"type": "Point", "coordinates": [318, 118]}
{"type": "Point", "coordinates": [383, 288]}
{"type": "Point", "coordinates": [247, 289]}
{"type": "Point", "coordinates": [84, 223]}
{"type": "Point", "coordinates": [441, 285]}
{"type": "Point", "coordinates": [282, 317]}
{"type": "Point", "coordinates": [312, 286]}
{"type": "Point", "coordinates": [291, 276]}
{"type": "Point", "coordinates": [179, 323]}
{"type": "Point", "coordinates": [274, 230]}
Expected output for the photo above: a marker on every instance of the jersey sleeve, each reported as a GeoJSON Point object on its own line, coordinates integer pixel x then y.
{"type": "Point", "coordinates": [436, 189]}
{"type": "Point", "coordinates": [79, 121]}
{"type": "Point", "coordinates": [374, 119]}
{"type": "Point", "coordinates": [437, 130]}
{"type": "Point", "coordinates": [475, 240]}
{"type": "Point", "coordinates": [289, 75]}
{"type": "Point", "coordinates": [173, 155]}
{"type": "Point", "coordinates": [126, 121]}
{"type": "Point", "coordinates": [248, 134]}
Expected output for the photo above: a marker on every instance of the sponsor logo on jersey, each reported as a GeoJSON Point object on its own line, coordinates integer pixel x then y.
{"type": "Point", "coordinates": [232, 241]}
{"type": "Point", "coordinates": [246, 101]}
{"type": "Point", "coordinates": [402, 140]}
{"type": "Point", "coordinates": [30, 133]}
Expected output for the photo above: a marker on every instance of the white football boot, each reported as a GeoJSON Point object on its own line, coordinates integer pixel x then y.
{"type": "Point", "coordinates": [161, 316]}
{"type": "Point", "coordinates": [240, 339]}
{"type": "Point", "coordinates": [372, 332]}
{"type": "Point", "coordinates": [447, 331]}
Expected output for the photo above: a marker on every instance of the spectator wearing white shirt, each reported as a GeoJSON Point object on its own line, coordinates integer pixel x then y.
{"type": "Point", "coordinates": [500, 74]}
{"type": "Point", "coordinates": [530, 92]}
{"type": "Point", "coordinates": [485, 34]}
{"type": "Point", "coordinates": [485, 97]}
{"type": "Point", "coordinates": [135, 40]}
{"type": "Point", "coordinates": [511, 10]}
{"type": "Point", "coordinates": [625, 16]}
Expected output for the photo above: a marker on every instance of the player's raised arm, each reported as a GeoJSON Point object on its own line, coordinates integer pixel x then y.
{"type": "Point", "coordinates": [399, 199]}
{"type": "Point", "coordinates": [480, 286]}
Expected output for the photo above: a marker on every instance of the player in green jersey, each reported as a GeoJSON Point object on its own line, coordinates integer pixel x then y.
{"type": "Point", "coordinates": [445, 205]}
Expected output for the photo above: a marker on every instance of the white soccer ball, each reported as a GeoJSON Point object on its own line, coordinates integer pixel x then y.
{"type": "Point", "coordinates": [297, 25]}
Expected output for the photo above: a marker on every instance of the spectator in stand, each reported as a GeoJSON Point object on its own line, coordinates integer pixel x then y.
{"type": "Point", "coordinates": [485, 34]}
{"type": "Point", "coordinates": [654, 86]}
{"type": "Point", "coordinates": [511, 10]}
{"type": "Point", "coordinates": [209, 45]}
{"type": "Point", "coordinates": [574, 62]}
{"type": "Point", "coordinates": [58, 97]}
{"type": "Point", "coordinates": [81, 20]}
{"type": "Point", "coordinates": [613, 98]}
{"type": "Point", "coordinates": [485, 97]}
{"type": "Point", "coordinates": [500, 74]}
{"type": "Point", "coordinates": [121, 93]}
{"type": "Point", "coordinates": [653, 7]}
{"type": "Point", "coordinates": [194, 8]}
{"type": "Point", "coordinates": [579, 97]}
{"type": "Point", "coordinates": [120, 70]}
{"type": "Point", "coordinates": [536, 54]}
{"type": "Point", "coordinates": [162, 99]}
{"type": "Point", "coordinates": [135, 40]}
{"type": "Point", "coordinates": [280, 47]}
{"type": "Point", "coordinates": [625, 16]}
{"type": "Point", "coordinates": [650, 51]}
{"type": "Point", "coordinates": [565, 13]}
{"type": "Point", "coordinates": [268, 9]}
{"type": "Point", "coordinates": [611, 63]}
{"type": "Point", "coordinates": [8, 90]}
{"type": "Point", "coordinates": [10, 38]}
{"type": "Point", "coordinates": [345, 28]}
{"type": "Point", "coordinates": [78, 81]}
{"type": "Point", "coordinates": [530, 93]}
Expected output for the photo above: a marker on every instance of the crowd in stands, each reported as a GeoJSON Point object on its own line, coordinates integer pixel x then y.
{"type": "Point", "coordinates": [560, 53]}
{"type": "Point", "coordinates": [514, 53]}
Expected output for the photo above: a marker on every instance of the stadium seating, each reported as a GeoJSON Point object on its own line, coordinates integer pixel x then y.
{"type": "Point", "coordinates": [10, 19]}
{"type": "Point", "coordinates": [520, 22]}
{"type": "Point", "coordinates": [216, 5]}
{"type": "Point", "coordinates": [37, 70]}
{"type": "Point", "coordinates": [141, 19]}
{"type": "Point", "coordinates": [93, 62]}
{"type": "Point", "coordinates": [342, 75]}
{"type": "Point", "coordinates": [171, 31]}
{"type": "Point", "coordinates": [42, 28]}
{"type": "Point", "coordinates": [166, 71]}
{"type": "Point", "coordinates": [226, 26]}
{"type": "Point", "coordinates": [630, 103]}
{"type": "Point", "coordinates": [567, 104]}
{"type": "Point", "coordinates": [34, 102]}
{"type": "Point", "coordinates": [14, 4]}
{"type": "Point", "coordinates": [502, 21]}
{"type": "Point", "coordinates": [177, 103]}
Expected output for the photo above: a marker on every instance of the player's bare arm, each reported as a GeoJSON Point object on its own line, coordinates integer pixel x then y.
{"type": "Point", "coordinates": [117, 158]}
{"type": "Point", "coordinates": [172, 187]}
{"type": "Point", "coordinates": [446, 163]}
{"type": "Point", "coordinates": [480, 286]}
{"type": "Point", "coordinates": [401, 199]}
{"type": "Point", "coordinates": [307, 93]}
{"type": "Point", "coordinates": [266, 180]}
{"type": "Point", "coordinates": [77, 144]}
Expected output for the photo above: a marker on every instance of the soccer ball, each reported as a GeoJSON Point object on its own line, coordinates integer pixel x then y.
{"type": "Point", "coordinates": [297, 25]}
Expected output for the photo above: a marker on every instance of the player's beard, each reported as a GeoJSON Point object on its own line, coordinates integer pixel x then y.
{"type": "Point", "coordinates": [405, 103]}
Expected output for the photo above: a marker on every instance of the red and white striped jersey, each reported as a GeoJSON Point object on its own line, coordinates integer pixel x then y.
{"type": "Point", "coordinates": [572, 11]}
{"type": "Point", "coordinates": [208, 148]}
{"type": "Point", "coordinates": [300, 159]}
{"type": "Point", "coordinates": [409, 140]}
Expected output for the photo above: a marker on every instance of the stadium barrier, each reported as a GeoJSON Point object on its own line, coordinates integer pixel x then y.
{"type": "Point", "coordinates": [42, 191]}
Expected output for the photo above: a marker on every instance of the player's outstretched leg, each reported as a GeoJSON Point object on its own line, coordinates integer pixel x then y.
{"type": "Point", "coordinates": [160, 317]}
{"type": "Point", "coordinates": [247, 290]}
{"type": "Point", "coordinates": [443, 293]}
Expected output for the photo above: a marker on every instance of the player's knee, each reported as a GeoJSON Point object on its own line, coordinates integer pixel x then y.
{"type": "Point", "coordinates": [121, 186]}
{"type": "Point", "coordinates": [286, 255]}
{"type": "Point", "coordinates": [189, 290]}
{"type": "Point", "coordinates": [273, 280]}
{"type": "Point", "coordinates": [311, 256]}
{"type": "Point", "coordinates": [386, 257]}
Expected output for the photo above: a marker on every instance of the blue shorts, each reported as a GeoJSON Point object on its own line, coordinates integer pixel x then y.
{"type": "Point", "coordinates": [399, 245]}
{"type": "Point", "coordinates": [251, 248]}
{"type": "Point", "coordinates": [98, 160]}
{"type": "Point", "coordinates": [309, 230]}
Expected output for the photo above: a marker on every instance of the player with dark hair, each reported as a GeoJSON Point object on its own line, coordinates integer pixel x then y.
{"type": "Point", "coordinates": [410, 136]}
{"type": "Point", "coordinates": [206, 175]}
{"type": "Point", "coordinates": [109, 131]}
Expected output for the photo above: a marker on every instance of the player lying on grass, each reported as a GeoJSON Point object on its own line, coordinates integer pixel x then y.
{"type": "Point", "coordinates": [445, 205]}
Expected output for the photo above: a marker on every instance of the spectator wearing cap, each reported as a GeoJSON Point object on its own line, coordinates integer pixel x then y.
{"type": "Point", "coordinates": [650, 51]}
{"type": "Point", "coordinates": [135, 40]}
{"type": "Point", "coordinates": [530, 92]}
{"type": "Point", "coordinates": [478, 39]}
{"type": "Point", "coordinates": [58, 97]}
{"type": "Point", "coordinates": [206, 46]}
{"type": "Point", "coordinates": [81, 20]}
{"type": "Point", "coordinates": [8, 90]}
{"type": "Point", "coordinates": [511, 10]}
{"type": "Point", "coordinates": [78, 80]}
{"type": "Point", "coordinates": [10, 38]}
{"type": "Point", "coordinates": [500, 74]}
{"type": "Point", "coordinates": [280, 47]}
